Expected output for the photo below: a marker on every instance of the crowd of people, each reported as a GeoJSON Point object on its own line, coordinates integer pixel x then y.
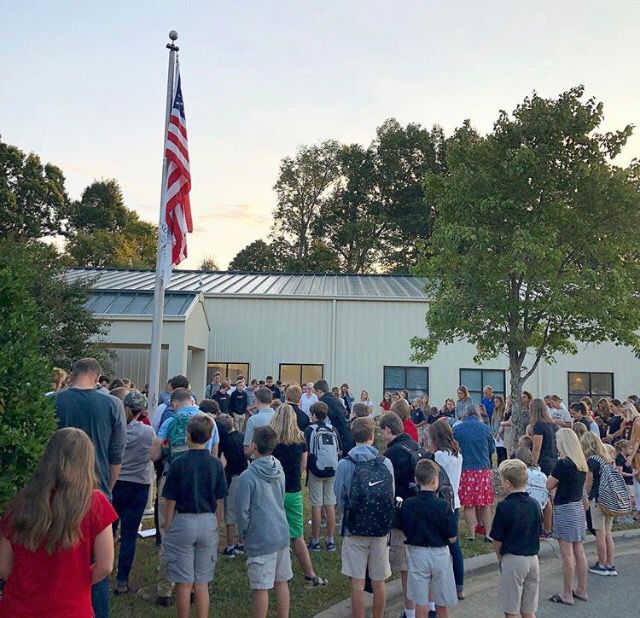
{"type": "Point", "coordinates": [392, 480]}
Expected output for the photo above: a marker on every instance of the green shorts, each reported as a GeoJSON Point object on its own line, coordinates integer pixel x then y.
{"type": "Point", "coordinates": [295, 514]}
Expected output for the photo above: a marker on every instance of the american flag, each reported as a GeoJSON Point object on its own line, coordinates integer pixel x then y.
{"type": "Point", "coordinates": [177, 207]}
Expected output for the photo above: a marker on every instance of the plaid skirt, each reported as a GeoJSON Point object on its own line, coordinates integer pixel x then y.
{"type": "Point", "coordinates": [476, 488]}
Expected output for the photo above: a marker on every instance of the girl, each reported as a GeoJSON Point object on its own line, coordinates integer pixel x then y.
{"type": "Point", "coordinates": [56, 538]}
{"type": "Point", "coordinates": [447, 454]}
{"type": "Point", "coordinates": [464, 403]}
{"type": "Point", "coordinates": [569, 520]}
{"type": "Point", "coordinates": [498, 431]}
{"type": "Point", "coordinates": [449, 408]}
{"type": "Point", "coordinates": [632, 428]}
{"type": "Point", "coordinates": [365, 399]}
{"type": "Point", "coordinates": [291, 451]}
{"type": "Point", "coordinates": [543, 433]}
{"type": "Point", "coordinates": [347, 399]}
{"type": "Point", "coordinates": [403, 410]}
{"type": "Point", "coordinates": [385, 404]}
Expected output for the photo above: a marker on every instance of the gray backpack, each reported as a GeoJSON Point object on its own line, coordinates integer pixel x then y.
{"type": "Point", "coordinates": [323, 451]}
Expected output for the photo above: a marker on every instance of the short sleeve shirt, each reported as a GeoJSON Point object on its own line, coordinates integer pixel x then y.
{"type": "Point", "coordinates": [517, 524]}
{"type": "Point", "coordinates": [290, 456]}
{"type": "Point", "coordinates": [570, 482]}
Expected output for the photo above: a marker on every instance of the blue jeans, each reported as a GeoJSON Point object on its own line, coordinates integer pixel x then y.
{"type": "Point", "coordinates": [100, 598]}
{"type": "Point", "coordinates": [129, 501]}
{"type": "Point", "coordinates": [457, 558]}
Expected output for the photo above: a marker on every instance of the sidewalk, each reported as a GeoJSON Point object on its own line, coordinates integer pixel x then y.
{"type": "Point", "coordinates": [481, 578]}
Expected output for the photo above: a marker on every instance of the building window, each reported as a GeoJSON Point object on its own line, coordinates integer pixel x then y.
{"type": "Point", "coordinates": [589, 384]}
{"type": "Point", "coordinates": [228, 370]}
{"type": "Point", "coordinates": [291, 373]}
{"type": "Point", "coordinates": [476, 379]}
{"type": "Point", "coordinates": [413, 379]}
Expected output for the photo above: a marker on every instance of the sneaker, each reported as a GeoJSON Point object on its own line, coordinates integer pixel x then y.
{"type": "Point", "coordinates": [311, 546]}
{"type": "Point", "coordinates": [163, 601]}
{"type": "Point", "coordinates": [599, 569]}
{"type": "Point", "coordinates": [229, 552]}
{"type": "Point", "coordinates": [612, 570]}
{"type": "Point", "coordinates": [239, 547]}
{"type": "Point", "coordinates": [331, 546]}
{"type": "Point", "coordinates": [315, 581]}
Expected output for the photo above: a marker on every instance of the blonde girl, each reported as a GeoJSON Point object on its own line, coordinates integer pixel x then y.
{"type": "Point", "coordinates": [56, 527]}
{"type": "Point", "coordinates": [569, 520]}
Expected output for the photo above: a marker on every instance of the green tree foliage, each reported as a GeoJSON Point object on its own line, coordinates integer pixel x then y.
{"type": "Point", "coordinates": [101, 207]}
{"type": "Point", "coordinates": [26, 416]}
{"type": "Point", "coordinates": [535, 244]}
{"type": "Point", "coordinates": [208, 263]}
{"type": "Point", "coordinates": [33, 200]}
{"type": "Point", "coordinates": [258, 256]}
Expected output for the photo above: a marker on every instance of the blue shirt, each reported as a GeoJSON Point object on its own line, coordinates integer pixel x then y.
{"type": "Point", "coordinates": [476, 443]}
{"type": "Point", "coordinates": [190, 411]}
{"type": "Point", "coordinates": [489, 405]}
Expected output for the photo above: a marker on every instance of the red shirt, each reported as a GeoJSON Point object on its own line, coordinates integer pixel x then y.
{"type": "Point", "coordinates": [385, 405]}
{"type": "Point", "coordinates": [409, 427]}
{"type": "Point", "coordinates": [57, 585]}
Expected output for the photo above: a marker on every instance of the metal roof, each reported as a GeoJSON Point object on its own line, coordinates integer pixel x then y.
{"type": "Point", "coordinates": [212, 283]}
{"type": "Point", "coordinates": [112, 303]}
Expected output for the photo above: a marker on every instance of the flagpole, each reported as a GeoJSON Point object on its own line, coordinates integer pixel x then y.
{"type": "Point", "coordinates": [164, 251]}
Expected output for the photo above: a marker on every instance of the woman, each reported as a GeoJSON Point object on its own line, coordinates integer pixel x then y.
{"type": "Point", "coordinates": [403, 410]}
{"type": "Point", "coordinates": [464, 403]}
{"type": "Point", "coordinates": [291, 452]}
{"type": "Point", "coordinates": [447, 454]}
{"type": "Point", "coordinates": [569, 520]}
{"type": "Point", "coordinates": [615, 422]}
{"type": "Point", "coordinates": [449, 408]}
{"type": "Point", "coordinates": [543, 433]}
{"type": "Point", "coordinates": [56, 538]}
{"type": "Point", "coordinates": [602, 523]}
{"type": "Point", "coordinates": [366, 400]}
{"type": "Point", "coordinates": [131, 490]}
{"type": "Point", "coordinates": [497, 429]}
{"type": "Point", "coordinates": [601, 415]}
{"type": "Point", "coordinates": [632, 426]}
{"type": "Point", "coordinates": [386, 402]}
{"type": "Point", "coordinates": [58, 380]}
{"type": "Point", "coordinates": [347, 399]}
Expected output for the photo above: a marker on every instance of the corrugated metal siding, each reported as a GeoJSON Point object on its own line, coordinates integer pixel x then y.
{"type": "Point", "coordinates": [134, 363]}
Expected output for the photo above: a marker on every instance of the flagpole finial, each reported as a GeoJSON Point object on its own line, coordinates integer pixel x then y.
{"type": "Point", "coordinates": [173, 35]}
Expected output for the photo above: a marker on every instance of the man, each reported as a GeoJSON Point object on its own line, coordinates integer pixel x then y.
{"type": "Point", "coordinates": [402, 451]}
{"type": "Point", "coordinates": [336, 414]}
{"type": "Point", "coordinates": [292, 397]}
{"type": "Point", "coordinates": [488, 400]}
{"type": "Point", "coordinates": [238, 403]}
{"type": "Point", "coordinates": [103, 420]}
{"type": "Point", "coordinates": [275, 391]}
{"type": "Point", "coordinates": [165, 410]}
{"type": "Point", "coordinates": [559, 413]}
{"type": "Point", "coordinates": [308, 398]}
{"type": "Point", "coordinates": [214, 385]}
{"type": "Point", "coordinates": [263, 416]}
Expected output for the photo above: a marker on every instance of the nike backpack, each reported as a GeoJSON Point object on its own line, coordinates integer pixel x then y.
{"type": "Point", "coordinates": [323, 451]}
{"type": "Point", "coordinates": [369, 510]}
{"type": "Point", "coordinates": [613, 496]}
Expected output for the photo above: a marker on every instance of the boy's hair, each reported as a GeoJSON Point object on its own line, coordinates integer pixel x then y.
{"type": "Point", "coordinates": [621, 445]}
{"type": "Point", "coordinates": [322, 385]}
{"type": "Point", "coordinates": [200, 428]}
{"type": "Point", "coordinates": [275, 404]}
{"type": "Point", "coordinates": [266, 439]}
{"type": "Point", "coordinates": [293, 393]}
{"type": "Point", "coordinates": [224, 420]}
{"type": "Point", "coordinates": [239, 380]}
{"type": "Point", "coordinates": [179, 382]}
{"type": "Point", "coordinates": [362, 429]}
{"type": "Point", "coordinates": [515, 472]}
{"type": "Point", "coordinates": [225, 384]}
{"type": "Point", "coordinates": [393, 422]}
{"type": "Point", "coordinates": [427, 472]}
{"type": "Point", "coordinates": [320, 410]}
{"type": "Point", "coordinates": [180, 395]}
{"type": "Point", "coordinates": [269, 378]}
{"type": "Point", "coordinates": [360, 410]}
{"type": "Point", "coordinates": [526, 442]}
{"type": "Point", "coordinates": [524, 455]}
{"type": "Point", "coordinates": [210, 406]}
{"type": "Point", "coordinates": [264, 395]}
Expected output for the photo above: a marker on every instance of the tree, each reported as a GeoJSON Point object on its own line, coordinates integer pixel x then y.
{"type": "Point", "coordinates": [304, 183]}
{"type": "Point", "coordinates": [535, 243]}
{"type": "Point", "coordinates": [26, 416]}
{"type": "Point", "coordinates": [208, 263]}
{"type": "Point", "coordinates": [101, 207]}
{"type": "Point", "coordinates": [33, 200]}
{"type": "Point", "coordinates": [257, 256]}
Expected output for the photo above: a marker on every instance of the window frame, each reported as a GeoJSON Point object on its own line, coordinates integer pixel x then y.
{"type": "Point", "coordinates": [482, 382]}
{"type": "Point", "coordinates": [212, 364]}
{"type": "Point", "coordinates": [404, 367]}
{"type": "Point", "coordinates": [300, 365]}
{"type": "Point", "coordinates": [590, 393]}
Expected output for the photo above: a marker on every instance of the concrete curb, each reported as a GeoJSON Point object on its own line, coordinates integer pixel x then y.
{"type": "Point", "coordinates": [474, 566]}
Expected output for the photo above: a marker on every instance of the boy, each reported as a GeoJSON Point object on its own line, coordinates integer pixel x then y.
{"type": "Point", "coordinates": [322, 444]}
{"type": "Point", "coordinates": [364, 488]}
{"type": "Point", "coordinates": [235, 463]}
{"type": "Point", "coordinates": [238, 404]}
{"type": "Point", "coordinates": [262, 417]}
{"type": "Point", "coordinates": [259, 509]}
{"type": "Point", "coordinates": [195, 482]}
{"type": "Point", "coordinates": [430, 527]}
{"type": "Point", "coordinates": [516, 540]}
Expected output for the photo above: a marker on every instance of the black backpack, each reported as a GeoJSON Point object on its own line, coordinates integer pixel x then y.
{"type": "Point", "coordinates": [445, 489]}
{"type": "Point", "coordinates": [369, 510]}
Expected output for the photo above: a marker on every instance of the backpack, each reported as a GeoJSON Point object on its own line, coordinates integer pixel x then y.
{"type": "Point", "coordinates": [370, 510]}
{"type": "Point", "coordinates": [177, 436]}
{"type": "Point", "coordinates": [323, 451]}
{"type": "Point", "coordinates": [445, 489]}
{"type": "Point", "coordinates": [613, 496]}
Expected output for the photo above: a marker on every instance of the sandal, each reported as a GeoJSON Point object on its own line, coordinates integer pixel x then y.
{"type": "Point", "coordinates": [121, 589]}
{"type": "Point", "coordinates": [556, 598]}
{"type": "Point", "coordinates": [577, 596]}
{"type": "Point", "coordinates": [315, 581]}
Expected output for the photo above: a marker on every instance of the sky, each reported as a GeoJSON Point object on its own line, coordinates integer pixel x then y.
{"type": "Point", "coordinates": [84, 85]}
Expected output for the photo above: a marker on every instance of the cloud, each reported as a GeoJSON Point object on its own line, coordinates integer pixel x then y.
{"type": "Point", "coordinates": [245, 214]}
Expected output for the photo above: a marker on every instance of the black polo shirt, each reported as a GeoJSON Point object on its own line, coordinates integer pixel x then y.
{"type": "Point", "coordinates": [427, 521]}
{"type": "Point", "coordinates": [517, 524]}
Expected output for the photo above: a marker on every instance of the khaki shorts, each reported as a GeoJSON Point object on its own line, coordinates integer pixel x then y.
{"type": "Point", "coordinates": [229, 502]}
{"type": "Point", "coordinates": [518, 588]}
{"type": "Point", "coordinates": [321, 491]}
{"type": "Point", "coordinates": [431, 576]}
{"type": "Point", "coordinates": [397, 551]}
{"type": "Point", "coordinates": [265, 571]}
{"type": "Point", "coordinates": [599, 520]}
{"type": "Point", "coordinates": [360, 551]}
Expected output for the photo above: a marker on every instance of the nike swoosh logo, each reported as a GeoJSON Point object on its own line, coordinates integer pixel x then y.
{"type": "Point", "coordinates": [376, 483]}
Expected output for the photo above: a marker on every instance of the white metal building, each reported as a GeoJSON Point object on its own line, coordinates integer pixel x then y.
{"type": "Point", "coordinates": [300, 327]}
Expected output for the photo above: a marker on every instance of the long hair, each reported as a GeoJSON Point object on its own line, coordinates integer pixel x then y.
{"type": "Point", "coordinates": [401, 408]}
{"type": "Point", "coordinates": [498, 410]}
{"type": "Point", "coordinates": [441, 437]}
{"type": "Point", "coordinates": [464, 390]}
{"type": "Point", "coordinates": [285, 423]}
{"type": "Point", "coordinates": [538, 412]}
{"type": "Point", "coordinates": [603, 408]}
{"type": "Point", "coordinates": [50, 509]}
{"type": "Point", "coordinates": [569, 447]}
{"type": "Point", "coordinates": [630, 411]}
{"type": "Point", "coordinates": [592, 445]}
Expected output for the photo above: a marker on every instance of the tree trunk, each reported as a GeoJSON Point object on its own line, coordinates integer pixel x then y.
{"type": "Point", "coordinates": [518, 419]}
